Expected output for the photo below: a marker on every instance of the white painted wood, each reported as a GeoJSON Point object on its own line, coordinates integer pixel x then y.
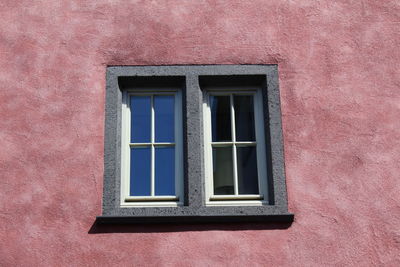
{"type": "Point", "coordinates": [152, 168]}
{"type": "Point", "coordinates": [149, 144]}
{"type": "Point", "coordinates": [208, 164]}
{"type": "Point", "coordinates": [234, 156]}
{"type": "Point", "coordinates": [154, 203]}
{"type": "Point", "coordinates": [217, 144]}
{"type": "Point", "coordinates": [236, 199]}
{"type": "Point", "coordinates": [125, 150]}
{"type": "Point", "coordinates": [152, 200]}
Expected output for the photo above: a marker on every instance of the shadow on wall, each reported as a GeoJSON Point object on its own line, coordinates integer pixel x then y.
{"type": "Point", "coordinates": [99, 228]}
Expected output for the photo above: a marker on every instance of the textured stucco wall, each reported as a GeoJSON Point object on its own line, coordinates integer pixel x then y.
{"type": "Point", "coordinates": [340, 91]}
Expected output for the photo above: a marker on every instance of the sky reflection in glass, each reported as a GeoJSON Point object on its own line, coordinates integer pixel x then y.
{"type": "Point", "coordinates": [165, 171]}
{"type": "Point", "coordinates": [244, 116]}
{"type": "Point", "coordinates": [140, 171]}
{"type": "Point", "coordinates": [164, 118]}
{"type": "Point", "coordinates": [223, 170]}
{"type": "Point", "coordinates": [220, 118]}
{"type": "Point", "coordinates": [247, 170]}
{"type": "Point", "coordinates": [140, 119]}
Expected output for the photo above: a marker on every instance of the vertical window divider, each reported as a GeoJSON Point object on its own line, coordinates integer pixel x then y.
{"type": "Point", "coordinates": [234, 156]}
{"type": "Point", "coordinates": [152, 127]}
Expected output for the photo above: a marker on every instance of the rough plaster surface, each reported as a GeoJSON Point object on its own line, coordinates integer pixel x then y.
{"type": "Point", "coordinates": [339, 81]}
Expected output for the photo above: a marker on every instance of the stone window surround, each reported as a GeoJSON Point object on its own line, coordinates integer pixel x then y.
{"type": "Point", "coordinates": [194, 209]}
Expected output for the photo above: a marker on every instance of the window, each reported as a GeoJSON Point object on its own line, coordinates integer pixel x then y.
{"type": "Point", "coordinates": [151, 148]}
{"type": "Point", "coordinates": [193, 144]}
{"type": "Point", "coordinates": [235, 149]}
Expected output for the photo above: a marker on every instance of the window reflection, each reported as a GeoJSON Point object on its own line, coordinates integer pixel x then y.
{"type": "Point", "coordinates": [223, 171]}
{"type": "Point", "coordinates": [164, 118]}
{"type": "Point", "coordinates": [247, 170]}
{"type": "Point", "coordinates": [220, 118]}
{"type": "Point", "coordinates": [244, 118]}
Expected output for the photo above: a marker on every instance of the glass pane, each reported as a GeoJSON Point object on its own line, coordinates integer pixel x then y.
{"type": "Point", "coordinates": [164, 118]}
{"type": "Point", "coordinates": [223, 171]}
{"type": "Point", "coordinates": [220, 118]}
{"type": "Point", "coordinates": [244, 118]}
{"type": "Point", "coordinates": [165, 171]}
{"type": "Point", "coordinates": [247, 170]}
{"type": "Point", "coordinates": [140, 171]}
{"type": "Point", "coordinates": [140, 119]}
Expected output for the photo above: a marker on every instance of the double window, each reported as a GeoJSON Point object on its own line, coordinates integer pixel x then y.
{"type": "Point", "coordinates": [193, 144]}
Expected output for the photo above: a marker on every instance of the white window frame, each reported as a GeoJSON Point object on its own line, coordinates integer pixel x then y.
{"type": "Point", "coordinates": [236, 199]}
{"type": "Point", "coordinates": [152, 200]}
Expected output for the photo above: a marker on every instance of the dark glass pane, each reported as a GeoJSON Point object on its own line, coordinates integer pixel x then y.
{"type": "Point", "coordinates": [140, 119]}
{"type": "Point", "coordinates": [165, 171]}
{"type": "Point", "coordinates": [244, 118]}
{"type": "Point", "coordinates": [223, 171]}
{"type": "Point", "coordinates": [220, 118]}
{"type": "Point", "coordinates": [247, 170]}
{"type": "Point", "coordinates": [164, 118]}
{"type": "Point", "coordinates": [140, 171]}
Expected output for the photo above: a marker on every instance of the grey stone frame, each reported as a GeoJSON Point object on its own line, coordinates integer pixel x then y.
{"type": "Point", "coordinates": [194, 209]}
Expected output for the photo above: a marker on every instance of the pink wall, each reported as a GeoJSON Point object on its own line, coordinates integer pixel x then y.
{"type": "Point", "coordinates": [340, 89]}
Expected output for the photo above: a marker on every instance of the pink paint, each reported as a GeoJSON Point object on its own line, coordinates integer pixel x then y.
{"type": "Point", "coordinates": [339, 79]}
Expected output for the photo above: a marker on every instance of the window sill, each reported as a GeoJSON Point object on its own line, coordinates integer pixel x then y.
{"type": "Point", "coordinates": [281, 218]}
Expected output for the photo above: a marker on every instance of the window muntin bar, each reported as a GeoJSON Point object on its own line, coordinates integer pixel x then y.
{"type": "Point", "coordinates": [150, 144]}
{"type": "Point", "coordinates": [232, 143]}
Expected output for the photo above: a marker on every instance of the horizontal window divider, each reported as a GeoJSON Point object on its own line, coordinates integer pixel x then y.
{"type": "Point", "coordinates": [151, 198]}
{"type": "Point", "coordinates": [251, 143]}
{"type": "Point", "coordinates": [151, 144]}
{"type": "Point", "coordinates": [243, 144]}
{"type": "Point", "coordinates": [237, 197]}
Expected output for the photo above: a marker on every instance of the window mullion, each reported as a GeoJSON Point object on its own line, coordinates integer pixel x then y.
{"type": "Point", "coordinates": [234, 156]}
{"type": "Point", "coordinates": [152, 165]}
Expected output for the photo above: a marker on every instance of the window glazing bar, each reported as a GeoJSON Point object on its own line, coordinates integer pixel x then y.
{"type": "Point", "coordinates": [154, 144]}
{"type": "Point", "coordinates": [243, 143]}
